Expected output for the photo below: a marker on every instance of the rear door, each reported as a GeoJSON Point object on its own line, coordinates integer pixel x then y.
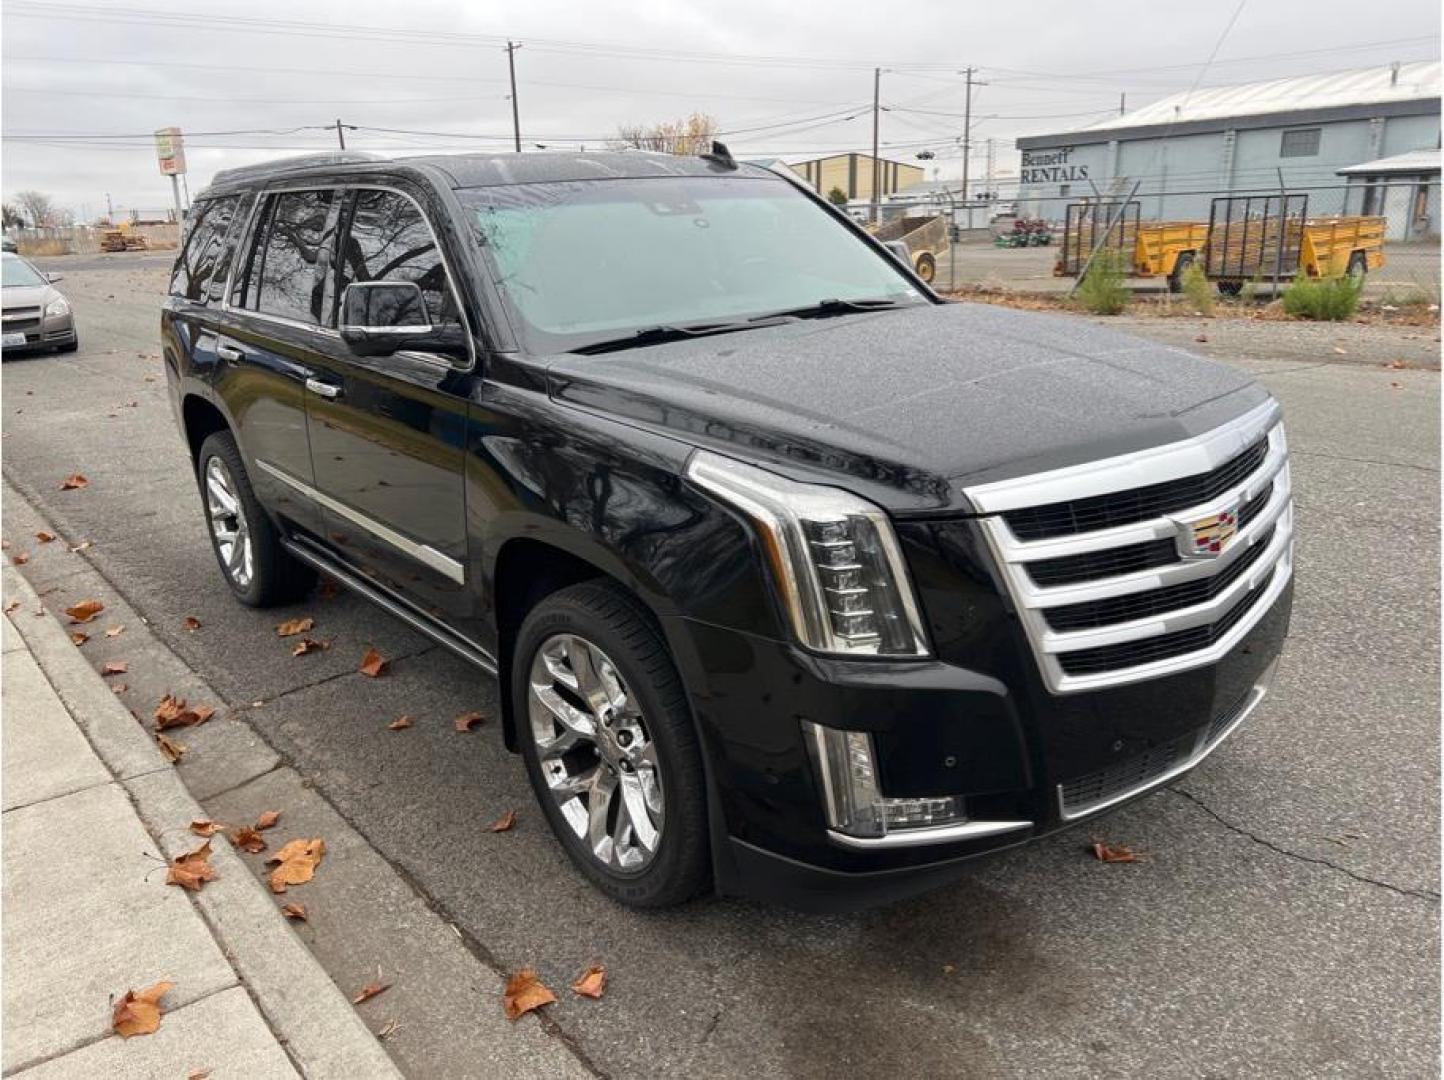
{"type": "Point", "coordinates": [269, 342]}
{"type": "Point", "coordinates": [388, 433]}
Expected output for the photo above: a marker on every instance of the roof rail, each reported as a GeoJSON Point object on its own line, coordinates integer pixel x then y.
{"type": "Point", "coordinates": [303, 161]}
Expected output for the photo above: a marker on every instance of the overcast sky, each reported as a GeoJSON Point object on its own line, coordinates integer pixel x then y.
{"type": "Point", "coordinates": [785, 79]}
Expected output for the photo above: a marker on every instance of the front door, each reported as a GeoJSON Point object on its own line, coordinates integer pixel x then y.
{"type": "Point", "coordinates": [388, 433]}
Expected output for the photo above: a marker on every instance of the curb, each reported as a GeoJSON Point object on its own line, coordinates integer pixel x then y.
{"type": "Point", "coordinates": [311, 1017]}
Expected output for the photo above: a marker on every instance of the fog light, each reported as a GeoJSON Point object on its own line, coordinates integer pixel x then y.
{"type": "Point", "coordinates": [847, 768]}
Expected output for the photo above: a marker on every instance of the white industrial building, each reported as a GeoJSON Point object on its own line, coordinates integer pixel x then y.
{"type": "Point", "coordinates": [1308, 132]}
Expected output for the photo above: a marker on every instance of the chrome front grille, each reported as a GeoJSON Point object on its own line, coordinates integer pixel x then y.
{"type": "Point", "coordinates": [1107, 563]}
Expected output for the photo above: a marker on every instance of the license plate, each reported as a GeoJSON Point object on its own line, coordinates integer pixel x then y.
{"type": "Point", "coordinates": [10, 341]}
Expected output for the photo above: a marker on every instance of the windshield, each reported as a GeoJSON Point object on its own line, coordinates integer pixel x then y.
{"type": "Point", "coordinates": [580, 262]}
{"type": "Point", "coordinates": [19, 273]}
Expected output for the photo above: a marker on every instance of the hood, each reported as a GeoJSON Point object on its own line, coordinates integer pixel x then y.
{"type": "Point", "coordinates": [20, 296]}
{"type": "Point", "coordinates": [907, 406]}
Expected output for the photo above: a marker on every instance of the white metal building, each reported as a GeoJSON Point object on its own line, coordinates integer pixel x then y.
{"type": "Point", "coordinates": [1184, 149]}
{"type": "Point", "coordinates": [1404, 188]}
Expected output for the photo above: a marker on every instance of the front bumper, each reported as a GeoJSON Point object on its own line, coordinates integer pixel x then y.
{"type": "Point", "coordinates": [1025, 762]}
{"type": "Point", "coordinates": [48, 332]}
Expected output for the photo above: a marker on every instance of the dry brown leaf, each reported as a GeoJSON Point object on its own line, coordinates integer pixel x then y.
{"type": "Point", "coordinates": [296, 863]}
{"type": "Point", "coordinates": [205, 827]}
{"type": "Point", "coordinates": [78, 638]}
{"type": "Point", "coordinates": [20, 558]}
{"type": "Point", "coordinates": [44, 537]}
{"type": "Point", "coordinates": [505, 822]}
{"type": "Point", "coordinates": [525, 992]}
{"type": "Point", "coordinates": [295, 911]}
{"type": "Point", "coordinates": [169, 748]}
{"type": "Point", "coordinates": [75, 480]}
{"type": "Point", "coordinates": [401, 723]}
{"type": "Point", "coordinates": [84, 611]}
{"type": "Point", "coordinates": [468, 720]}
{"type": "Point", "coordinates": [114, 667]}
{"type": "Point", "coordinates": [247, 839]}
{"type": "Point", "coordinates": [268, 819]}
{"type": "Point", "coordinates": [173, 712]}
{"type": "Point", "coordinates": [198, 1074]}
{"type": "Point", "coordinates": [373, 664]}
{"type": "Point", "coordinates": [369, 991]}
{"type": "Point", "coordinates": [309, 645]}
{"type": "Point", "coordinates": [591, 983]}
{"type": "Point", "coordinates": [115, 631]}
{"type": "Point", "coordinates": [139, 1011]}
{"type": "Point", "coordinates": [1114, 852]}
{"type": "Point", "coordinates": [191, 623]}
{"type": "Point", "coordinates": [292, 627]}
{"type": "Point", "coordinates": [11, 606]}
{"type": "Point", "coordinates": [192, 870]}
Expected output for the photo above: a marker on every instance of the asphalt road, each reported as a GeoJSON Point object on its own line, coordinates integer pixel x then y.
{"type": "Point", "coordinates": [1284, 922]}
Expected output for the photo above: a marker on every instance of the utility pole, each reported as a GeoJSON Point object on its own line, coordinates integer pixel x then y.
{"type": "Point", "coordinates": [340, 135]}
{"type": "Point", "coordinates": [876, 87]}
{"type": "Point", "coordinates": [967, 127]}
{"type": "Point", "coordinates": [992, 150]}
{"type": "Point", "coordinates": [1122, 102]}
{"type": "Point", "coordinates": [109, 209]}
{"type": "Point", "coordinates": [511, 49]}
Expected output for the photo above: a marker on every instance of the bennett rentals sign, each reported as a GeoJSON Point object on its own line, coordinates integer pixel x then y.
{"type": "Point", "coordinates": [1051, 167]}
{"type": "Point", "coordinates": [170, 151]}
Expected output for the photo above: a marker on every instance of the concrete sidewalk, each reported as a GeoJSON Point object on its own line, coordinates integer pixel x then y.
{"type": "Point", "coordinates": [90, 812]}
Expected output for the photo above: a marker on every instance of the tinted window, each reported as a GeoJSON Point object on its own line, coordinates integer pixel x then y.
{"type": "Point", "coordinates": [203, 247]}
{"type": "Point", "coordinates": [389, 241]}
{"type": "Point", "coordinates": [229, 243]}
{"type": "Point", "coordinates": [283, 279]}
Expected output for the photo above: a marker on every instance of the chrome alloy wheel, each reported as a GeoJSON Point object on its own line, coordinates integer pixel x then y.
{"type": "Point", "coordinates": [228, 523]}
{"type": "Point", "coordinates": [595, 753]}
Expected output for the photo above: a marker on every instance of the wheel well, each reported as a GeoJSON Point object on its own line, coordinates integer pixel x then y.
{"type": "Point", "coordinates": [202, 420]}
{"type": "Point", "coordinates": [528, 571]}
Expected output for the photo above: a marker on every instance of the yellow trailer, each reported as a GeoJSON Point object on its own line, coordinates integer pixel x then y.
{"type": "Point", "coordinates": [1343, 245]}
{"type": "Point", "coordinates": [1146, 249]}
{"type": "Point", "coordinates": [1273, 238]}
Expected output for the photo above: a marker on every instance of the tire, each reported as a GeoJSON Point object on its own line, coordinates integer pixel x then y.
{"type": "Point", "coordinates": [1180, 267]}
{"type": "Point", "coordinates": [271, 575]}
{"type": "Point", "coordinates": [927, 267]}
{"type": "Point", "coordinates": [638, 743]}
{"type": "Point", "coordinates": [1358, 267]}
{"type": "Point", "coordinates": [1230, 288]}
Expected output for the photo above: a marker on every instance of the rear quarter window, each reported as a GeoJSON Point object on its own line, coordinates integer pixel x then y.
{"type": "Point", "coordinates": [202, 248]}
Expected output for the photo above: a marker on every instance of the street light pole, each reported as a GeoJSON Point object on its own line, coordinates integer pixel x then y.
{"type": "Point", "coordinates": [511, 49]}
{"type": "Point", "coordinates": [876, 87]}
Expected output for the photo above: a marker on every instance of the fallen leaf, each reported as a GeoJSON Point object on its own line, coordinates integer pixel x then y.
{"type": "Point", "coordinates": [295, 911]}
{"type": "Point", "coordinates": [1201, 337]}
{"type": "Point", "coordinates": [84, 611]}
{"type": "Point", "coordinates": [401, 723]}
{"type": "Point", "coordinates": [139, 1012]}
{"type": "Point", "coordinates": [591, 983]}
{"type": "Point", "coordinates": [268, 819]}
{"type": "Point", "coordinates": [525, 992]}
{"type": "Point", "coordinates": [20, 558]}
{"type": "Point", "coordinates": [11, 606]}
{"type": "Point", "coordinates": [114, 667]}
{"type": "Point", "coordinates": [70, 483]}
{"type": "Point", "coordinates": [169, 748]}
{"type": "Point", "coordinates": [198, 1074]}
{"type": "Point", "coordinates": [1394, 385]}
{"type": "Point", "coordinates": [388, 1031]}
{"type": "Point", "coordinates": [297, 863]}
{"type": "Point", "coordinates": [505, 822]}
{"type": "Point", "coordinates": [467, 721]}
{"type": "Point", "coordinates": [1341, 351]}
{"type": "Point", "coordinates": [369, 991]}
{"type": "Point", "coordinates": [191, 623]}
{"type": "Point", "coordinates": [44, 537]}
{"type": "Point", "coordinates": [83, 545]}
{"type": "Point", "coordinates": [329, 589]}
{"type": "Point", "coordinates": [205, 827]}
{"type": "Point", "coordinates": [309, 645]}
{"type": "Point", "coordinates": [292, 627]}
{"type": "Point", "coordinates": [1114, 852]}
{"type": "Point", "coordinates": [120, 688]}
{"type": "Point", "coordinates": [373, 664]}
{"type": "Point", "coordinates": [1397, 365]}
{"type": "Point", "coordinates": [247, 839]}
{"type": "Point", "coordinates": [193, 869]}
{"type": "Point", "coordinates": [173, 712]}
{"type": "Point", "coordinates": [78, 638]}
{"type": "Point", "coordinates": [115, 631]}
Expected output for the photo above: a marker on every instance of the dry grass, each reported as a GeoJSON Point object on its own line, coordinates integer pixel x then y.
{"type": "Point", "coordinates": [43, 247]}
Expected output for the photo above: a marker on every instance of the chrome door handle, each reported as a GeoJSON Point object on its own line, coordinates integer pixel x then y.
{"type": "Point", "coordinates": [325, 389]}
{"type": "Point", "coordinates": [230, 352]}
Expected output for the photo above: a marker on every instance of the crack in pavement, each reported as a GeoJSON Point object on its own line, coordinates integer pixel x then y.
{"type": "Point", "coordinates": [1418, 894]}
{"type": "Point", "coordinates": [1431, 470]}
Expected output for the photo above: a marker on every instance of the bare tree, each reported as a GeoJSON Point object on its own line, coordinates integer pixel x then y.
{"type": "Point", "coordinates": [36, 206]}
{"type": "Point", "coordinates": [10, 216]}
{"type": "Point", "coordinates": [685, 137]}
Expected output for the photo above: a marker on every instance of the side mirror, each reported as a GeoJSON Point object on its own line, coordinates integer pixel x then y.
{"type": "Point", "coordinates": [53, 278]}
{"type": "Point", "coordinates": [378, 318]}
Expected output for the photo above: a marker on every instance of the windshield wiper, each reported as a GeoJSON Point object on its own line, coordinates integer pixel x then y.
{"type": "Point", "coordinates": [659, 335]}
{"type": "Point", "coordinates": [826, 308]}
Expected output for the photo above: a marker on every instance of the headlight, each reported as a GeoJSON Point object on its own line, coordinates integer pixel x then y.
{"type": "Point", "coordinates": [834, 557]}
{"type": "Point", "coordinates": [58, 306]}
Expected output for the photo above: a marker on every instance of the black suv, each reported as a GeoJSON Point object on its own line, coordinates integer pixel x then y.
{"type": "Point", "coordinates": [799, 582]}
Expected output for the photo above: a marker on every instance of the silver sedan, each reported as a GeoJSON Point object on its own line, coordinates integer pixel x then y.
{"type": "Point", "coordinates": [33, 313]}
